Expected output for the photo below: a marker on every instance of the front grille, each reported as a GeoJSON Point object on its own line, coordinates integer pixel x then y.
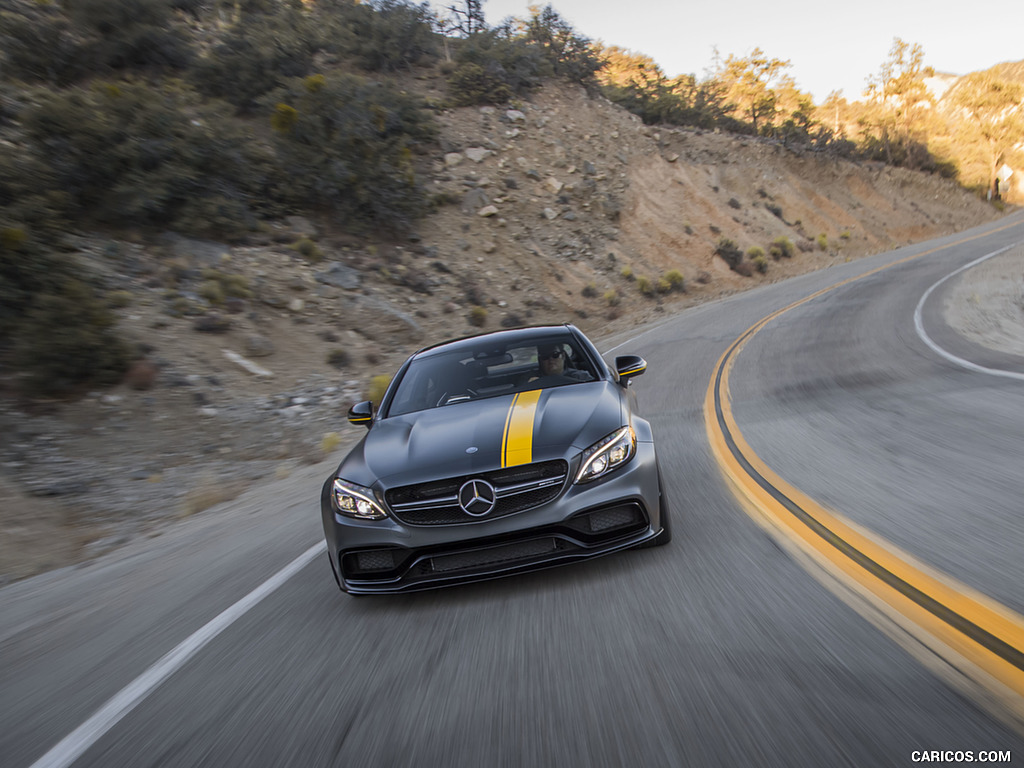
{"type": "Point", "coordinates": [517, 488]}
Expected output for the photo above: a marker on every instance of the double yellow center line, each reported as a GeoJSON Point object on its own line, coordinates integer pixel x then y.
{"type": "Point", "coordinates": [979, 639]}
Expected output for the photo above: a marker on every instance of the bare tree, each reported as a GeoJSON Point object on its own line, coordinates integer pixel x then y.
{"type": "Point", "coordinates": [466, 18]}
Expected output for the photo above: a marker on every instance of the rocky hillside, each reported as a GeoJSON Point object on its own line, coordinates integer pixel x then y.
{"type": "Point", "coordinates": [563, 209]}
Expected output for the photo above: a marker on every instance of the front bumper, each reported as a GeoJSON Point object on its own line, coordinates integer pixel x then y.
{"type": "Point", "coordinates": [582, 522]}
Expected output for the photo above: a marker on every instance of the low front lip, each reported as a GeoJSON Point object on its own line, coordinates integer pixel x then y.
{"type": "Point", "coordinates": [400, 585]}
{"type": "Point", "coordinates": [634, 483]}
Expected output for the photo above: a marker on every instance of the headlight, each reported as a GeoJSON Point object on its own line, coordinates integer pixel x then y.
{"type": "Point", "coordinates": [606, 455]}
{"type": "Point", "coordinates": [356, 501]}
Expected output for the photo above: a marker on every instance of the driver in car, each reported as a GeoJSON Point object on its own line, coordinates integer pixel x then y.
{"type": "Point", "coordinates": [551, 360]}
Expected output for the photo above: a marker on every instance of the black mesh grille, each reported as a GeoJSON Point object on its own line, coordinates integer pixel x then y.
{"type": "Point", "coordinates": [518, 489]}
{"type": "Point", "coordinates": [373, 562]}
{"type": "Point", "coordinates": [380, 560]}
{"type": "Point", "coordinates": [507, 553]}
{"type": "Point", "coordinates": [609, 521]}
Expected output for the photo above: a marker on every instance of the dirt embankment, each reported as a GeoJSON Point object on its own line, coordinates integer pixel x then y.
{"type": "Point", "coordinates": [551, 212]}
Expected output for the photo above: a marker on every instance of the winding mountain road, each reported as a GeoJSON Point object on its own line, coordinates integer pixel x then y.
{"type": "Point", "coordinates": [728, 647]}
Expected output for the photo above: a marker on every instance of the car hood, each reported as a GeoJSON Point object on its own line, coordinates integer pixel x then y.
{"type": "Point", "coordinates": [473, 436]}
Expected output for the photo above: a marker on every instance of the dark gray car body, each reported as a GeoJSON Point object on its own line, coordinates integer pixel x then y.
{"type": "Point", "coordinates": [417, 462]}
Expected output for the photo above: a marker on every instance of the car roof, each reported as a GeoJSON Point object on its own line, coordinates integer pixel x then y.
{"type": "Point", "coordinates": [502, 339]}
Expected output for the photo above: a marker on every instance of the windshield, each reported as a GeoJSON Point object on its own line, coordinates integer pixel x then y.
{"type": "Point", "coordinates": [445, 378]}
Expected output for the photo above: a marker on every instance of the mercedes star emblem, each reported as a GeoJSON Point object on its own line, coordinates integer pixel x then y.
{"type": "Point", "coordinates": [477, 497]}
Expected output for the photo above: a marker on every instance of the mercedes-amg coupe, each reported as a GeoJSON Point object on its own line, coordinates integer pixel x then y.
{"type": "Point", "coordinates": [492, 455]}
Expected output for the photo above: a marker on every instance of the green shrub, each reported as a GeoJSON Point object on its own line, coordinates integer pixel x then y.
{"type": "Point", "coordinates": [471, 84]}
{"type": "Point", "coordinates": [131, 34]}
{"type": "Point", "coordinates": [40, 44]}
{"type": "Point", "coordinates": [284, 118]}
{"type": "Point", "coordinates": [215, 215]}
{"type": "Point", "coordinates": [782, 248]}
{"type": "Point", "coordinates": [308, 249]}
{"type": "Point", "coordinates": [338, 358]}
{"type": "Point", "coordinates": [387, 35]}
{"type": "Point", "coordinates": [492, 67]}
{"type": "Point", "coordinates": [67, 342]}
{"type": "Point", "coordinates": [729, 252]}
{"type": "Point", "coordinates": [259, 53]}
{"type": "Point", "coordinates": [477, 316]}
{"type": "Point", "coordinates": [675, 279]}
{"type": "Point", "coordinates": [378, 386]}
{"type": "Point", "coordinates": [13, 238]}
{"type": "Point", "coordinates": [507, 61]}
{"type": "Point", "coordinates": [845, 235]}
{"type": "Point", "coordinates": [27, 269]}
{"type": "Point", "coordinates": [350, 150]}
{"type": "Point", "coordinates": [221, 284]}
{"type": "Point", "coordinates": [130, 154]}
{"type": "Point", "coordinates": [756, 256]}
{"type": "Point", "coordinates": [822, 242]}
{"type": "Point", "coordinates": [119, 299]}
{"type": "Point", "coordinates": [612, 297]}
{"type": "Point", "coordinates": [627, 273]}
{"type": "Point", "coordinates": [644, 285]}
{"type": "Point", "coordinates": [329, 442]}
{"type": "Point", "coordinates": [566, 53]}
{"type": "Point", "coordinates": [237, 286]}
{"type": "Point", "coordinates": [212, 292]}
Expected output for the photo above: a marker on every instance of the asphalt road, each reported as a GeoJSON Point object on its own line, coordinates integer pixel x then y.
{"type": "Point", "coordinates": [717, 650]}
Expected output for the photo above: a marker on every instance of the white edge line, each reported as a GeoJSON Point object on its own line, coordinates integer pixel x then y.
{"type": "Point", "coordinates": [72, 746]}
{"type": "Point", "coordinates": [919, 324]}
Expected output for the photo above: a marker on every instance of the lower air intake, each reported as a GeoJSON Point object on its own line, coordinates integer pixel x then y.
{"type": "Point", "coordinates": [378, 560]}
{"type": "Point", "coordinates": [522, 550]}
{"type": "Point", "coordinates": [615, 517]}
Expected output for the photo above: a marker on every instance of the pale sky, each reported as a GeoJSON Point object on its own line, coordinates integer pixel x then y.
{"type": "Point", "coordinates": [830, 45]}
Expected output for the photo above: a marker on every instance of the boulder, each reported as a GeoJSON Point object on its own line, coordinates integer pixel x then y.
{"type": "Point", "coordinates": [340, 276]}
{"type": "Point", "coordinates": [478, 154]}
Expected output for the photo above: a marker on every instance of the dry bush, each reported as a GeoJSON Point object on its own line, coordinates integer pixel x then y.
{"type": "Point", "coordinates": [209, 492]}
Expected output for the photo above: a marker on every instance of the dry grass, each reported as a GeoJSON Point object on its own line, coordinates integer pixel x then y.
{"type": "Point", "coordinates": [209, 492]}
{"type": "Point", "coordinates": [329, 442]}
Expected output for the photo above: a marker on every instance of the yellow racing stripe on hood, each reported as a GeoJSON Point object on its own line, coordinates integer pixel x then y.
{"type": "Point", "coordinates": [517, 442]}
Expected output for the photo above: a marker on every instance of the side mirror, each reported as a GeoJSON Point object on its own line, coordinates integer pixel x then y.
{"type": "Point", "coordinates": [628, 366]}
{"type": "Point", "coordinates": [361, 413]}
